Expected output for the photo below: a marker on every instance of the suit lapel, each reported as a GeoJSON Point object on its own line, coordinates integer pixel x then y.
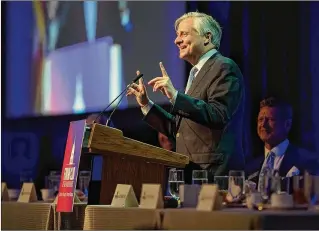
{"type": "Point", "coordinates": [196, 81]}
{"type": "Point", "coordinates": [202, 73]}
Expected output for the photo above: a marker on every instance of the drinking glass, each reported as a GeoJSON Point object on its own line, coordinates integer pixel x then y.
{"type": "Point", "coordinates": [298, 190]}
{"type": "Point", "coordinates": [84, 181]}
{"type": "Point", "coordinates": [54, 181]}
{"type": "Point", "coordinates": [25, 177]}
{"type": "Point", "coordinates": [199, 177]}
{"type": "Point", "coordinates": [311, 189]}
{"type": "Point", "coordinates": [281, 184]}
{"type": "Point", "coordinates": [175, 179]}
{"type": "Point", "coordinates": [236, 184]}
{"type": "Point", "coordinates": [264, 185]}
{"type": "Point", "coordinates": [222, 182]}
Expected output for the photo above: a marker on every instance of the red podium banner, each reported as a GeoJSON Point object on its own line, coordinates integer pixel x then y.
{"type": "Point", "coordinates": [70, 167]}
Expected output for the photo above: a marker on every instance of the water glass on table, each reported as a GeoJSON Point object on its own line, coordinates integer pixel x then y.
{"type": "Point", "coordinates": [199, 177]}
{"type": "Point", "coordinates": [54, 181]}
{"type": "Point", "coordinates": [311, 190]}
{"type": "Point", "coordinates": [281, 184]}
{"type": "Point", "coordinates": [298, 190]}
{"type": "Point", "coordinates": [84, 182]}
{"type": "Point", "coordinates": [265, 184]}
{"type": "Point", "coordinates": [236, 184]}
{"type": "Point", "coordinates": [222, 182]}
{"type": "Point", "coordinates": [175, 179]}
{"type": "Point", "coordinates": [25, 177]}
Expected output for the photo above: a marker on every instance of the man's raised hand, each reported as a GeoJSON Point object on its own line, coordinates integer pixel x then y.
{"type": "Point", "coordinates": [139, 91]}
{"type": "Point", "coordinates": [163, 83]}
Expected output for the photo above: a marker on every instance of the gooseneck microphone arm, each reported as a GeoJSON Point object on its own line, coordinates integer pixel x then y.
{"type": "Point", "coordinates": [118, 104]}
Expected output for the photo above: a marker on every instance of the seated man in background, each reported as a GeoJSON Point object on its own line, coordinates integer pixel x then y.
{"type": "Point", "coordinates": [273, 126]}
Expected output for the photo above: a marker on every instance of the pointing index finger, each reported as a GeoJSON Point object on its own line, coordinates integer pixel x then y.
{"type": "Point", "coordinates": [164, 73]}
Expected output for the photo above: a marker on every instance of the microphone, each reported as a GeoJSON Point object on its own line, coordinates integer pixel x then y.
{"type": "Point", "coordinates": [122, 93]}
{"type": "Point", "coordinates": [109, 119]}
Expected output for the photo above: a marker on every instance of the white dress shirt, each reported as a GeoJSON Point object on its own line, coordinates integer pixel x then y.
{"type": "Point", "coordinates": [202, 60]}
{"type": "Point", "coordinates": [279, 151]}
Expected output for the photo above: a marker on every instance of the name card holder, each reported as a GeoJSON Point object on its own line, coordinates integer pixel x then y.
{"type": "Point", "coordinates": [209, 198]}
{"type": "Point", "coordinates": [151, 196]}
{"type": "Point", "coordinates": [124, 196]}
{"type": "Point", "coordinates": [28, 193]}
{"type": "Point", "coordinates": [4, 192]}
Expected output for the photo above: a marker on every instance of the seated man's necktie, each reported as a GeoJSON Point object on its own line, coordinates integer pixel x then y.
{"type": "Point", "coordinates": [266, 170]}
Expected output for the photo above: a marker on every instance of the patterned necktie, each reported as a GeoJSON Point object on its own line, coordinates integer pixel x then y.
{"type": "Point", "coordinates": [191, 78]}
{"type": "Point", "coordinates": [270, 159]}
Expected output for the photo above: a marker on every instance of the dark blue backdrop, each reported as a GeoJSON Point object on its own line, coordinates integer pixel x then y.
{"type": "Point", "coordinates": [274, 43]}
{"type": "Point", "coordinates": [276, 46]}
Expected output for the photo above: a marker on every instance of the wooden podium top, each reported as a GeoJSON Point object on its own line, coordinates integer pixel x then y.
{"type": "Point", "coordinates": [106, 140]}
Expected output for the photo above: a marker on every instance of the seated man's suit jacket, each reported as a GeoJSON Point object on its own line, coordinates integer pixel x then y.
{"type": "Point", "coordinates": [206, 123]}
{"type": "Point", "coordinates": [297, 157]}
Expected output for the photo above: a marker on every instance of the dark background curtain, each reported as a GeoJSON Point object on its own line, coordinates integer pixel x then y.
{"type": "Point", "coordinates": [270, 43]}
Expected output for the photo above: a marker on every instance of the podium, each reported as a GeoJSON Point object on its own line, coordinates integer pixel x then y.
{"type": "Point", "coordinates": [128, 161]}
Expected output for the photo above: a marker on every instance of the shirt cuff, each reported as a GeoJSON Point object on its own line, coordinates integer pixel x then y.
{"type": "Point", "coordinates": [173, 99]}
{"type": "Point", "coordinates": [145, 109]}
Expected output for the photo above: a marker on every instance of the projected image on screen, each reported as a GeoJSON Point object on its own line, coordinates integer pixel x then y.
{"type": "Point", "coordinates": [85, 53]}
{"type": "Point", "coordinates": [82, 77]}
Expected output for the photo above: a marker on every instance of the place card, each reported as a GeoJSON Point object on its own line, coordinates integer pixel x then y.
{"type": "Point", "coordinates": [209, 198]}
{"type": "Point", "coordinates": [4, 192]}
{"type": "Point", "coordinates": [28, 193]}
{"type": "Point", "coordinates": [151, 196]}
{"type": "Point", "coordinates": [124, 196]}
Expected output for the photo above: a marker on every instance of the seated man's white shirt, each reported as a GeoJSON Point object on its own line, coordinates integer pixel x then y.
{"type": "Point", "coordinates": [279, 152]}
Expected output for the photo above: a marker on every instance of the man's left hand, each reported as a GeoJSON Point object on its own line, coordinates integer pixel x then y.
{"type": "Point", "coordinates": [164, 84]}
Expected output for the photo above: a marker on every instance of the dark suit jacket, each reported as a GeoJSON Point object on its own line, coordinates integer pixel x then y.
{"type": "Point", "coordinates": [207, 122]}
{"type": "Point", "coordinates": [294, 156]}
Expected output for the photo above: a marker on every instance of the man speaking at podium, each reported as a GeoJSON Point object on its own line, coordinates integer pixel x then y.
{"type": "Point", "coordinates": [206, 121]}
